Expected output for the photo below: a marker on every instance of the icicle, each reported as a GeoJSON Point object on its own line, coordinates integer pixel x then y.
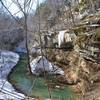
{"type": "Point", "coordinates": [61, 37]}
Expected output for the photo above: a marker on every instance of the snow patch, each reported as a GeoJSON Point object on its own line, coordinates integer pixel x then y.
{"type": "Point", "coordinates": [41, 64]}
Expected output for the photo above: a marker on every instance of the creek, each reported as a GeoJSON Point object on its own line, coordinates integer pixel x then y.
{"type": "Point", "coordinates": [36, 86]}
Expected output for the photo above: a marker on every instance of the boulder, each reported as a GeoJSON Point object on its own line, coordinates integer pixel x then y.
{"type": "Point", "coordinates": [41, 65]}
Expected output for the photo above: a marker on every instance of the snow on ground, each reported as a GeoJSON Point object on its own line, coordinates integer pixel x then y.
{"type": "Point", "coordinates": [41, 64]}
{"type": "Point", "coordinates": [7, 61]}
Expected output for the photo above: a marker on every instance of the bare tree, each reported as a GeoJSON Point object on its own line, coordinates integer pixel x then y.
{"type": "Point", "coordinates": [68, 3]}
{"type": "Point", "coordinates": [24, 7]}
{"type": "Point", "coordinates": [92, 5]}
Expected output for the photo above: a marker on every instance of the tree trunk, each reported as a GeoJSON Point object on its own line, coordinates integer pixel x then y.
{"type": "Point", "coordinates": [73, 21]}
{"type": "Point", "coordinates": [92, 6]}
{"type": "Point", "coordinates": [26, 43]}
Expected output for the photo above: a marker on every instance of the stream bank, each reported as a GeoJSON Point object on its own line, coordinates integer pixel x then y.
{"type": "Point", "coordinates": [35, 86]}
{"type": "Point", "coordinates": [8, 60]}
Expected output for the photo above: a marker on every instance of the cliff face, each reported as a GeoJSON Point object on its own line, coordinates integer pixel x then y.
{"type": "Point", "coordinates": [81, 64]}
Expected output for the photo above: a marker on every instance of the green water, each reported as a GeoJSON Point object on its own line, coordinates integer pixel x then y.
{"type": "Point", "coordinates": [35, 86]}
